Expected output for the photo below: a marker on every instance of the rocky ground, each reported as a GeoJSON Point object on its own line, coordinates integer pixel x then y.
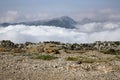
{"type": "Point", "coordinates": [23, 66]}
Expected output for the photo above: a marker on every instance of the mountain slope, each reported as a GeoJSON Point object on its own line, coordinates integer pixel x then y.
{"type": "Point", "coordinates": [64, 21]}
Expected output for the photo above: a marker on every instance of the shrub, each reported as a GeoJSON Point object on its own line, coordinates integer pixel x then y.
{"type": "Point", "coordinates": [45, 57]}
{"type": "Point", "coordinates": [7, 44]}
{"type": "Point", "coordinates": [111, 51]}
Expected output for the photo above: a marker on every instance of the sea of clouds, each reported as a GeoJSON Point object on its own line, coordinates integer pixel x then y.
{"type": "Point", "coordinates": [85, 33]}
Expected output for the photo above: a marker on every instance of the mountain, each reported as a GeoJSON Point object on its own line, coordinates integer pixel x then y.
{"type": "Point", "coordinates": [64, 21]}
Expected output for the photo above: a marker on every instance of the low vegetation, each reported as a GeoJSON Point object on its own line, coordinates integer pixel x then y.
{"type": "Point", "coordinates": [72, 59]}
{"type": "Point", "coordinates": [81, 59]}
{"type": "Point", "coordinates": [45, 57]}
{"type": "Point", "coordinates": [118, 57]}
{"type": "Point", "coordinates": [52, 47]}
{"type": "Point", "coordinates": [110, 51]}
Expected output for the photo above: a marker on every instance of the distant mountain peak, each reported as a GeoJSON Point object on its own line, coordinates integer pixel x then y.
{"type": "Point", "coordinates": [66, 18]}
{"type": "Point", "coordinates": [64, 22]}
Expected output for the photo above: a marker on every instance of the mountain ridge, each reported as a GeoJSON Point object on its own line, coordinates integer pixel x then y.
{"type": "Point", "coordinates": [64, 22]}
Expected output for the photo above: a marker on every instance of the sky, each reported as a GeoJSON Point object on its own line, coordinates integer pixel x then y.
{"type": "Point", "coordinates": [20, 10]}
{"type": "Point", "coordinates": [57, 5]}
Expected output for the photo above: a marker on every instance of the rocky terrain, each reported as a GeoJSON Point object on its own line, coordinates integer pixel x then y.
{"type": "Point", "coordinates": [59, 61]}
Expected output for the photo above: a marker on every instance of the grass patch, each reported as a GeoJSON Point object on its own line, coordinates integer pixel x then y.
{"type": "Point", "coordinates": [106, 59]}
{"type": "Point", "coordinates": [86, 60]}
{"type": "Point", "coordinates": [81, 59]}
{"type": "Point", "coordinates": [45, 57]}
{"type": "Point", "coordinates": [71, 58]}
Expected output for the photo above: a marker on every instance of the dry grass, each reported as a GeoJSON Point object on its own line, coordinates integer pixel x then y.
{"type": "Point", "coordinates": [17, 50]}
{"type": "Point", "coordinates": [74, 51]}
{"type": "Point", "coordinates": [117, 57]}
{"type": "Point", "coordinates": [2, 50]}
{"type": "Point", "coordinates": [45, 57]}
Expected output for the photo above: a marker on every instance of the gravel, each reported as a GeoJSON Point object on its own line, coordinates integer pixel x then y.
{"type": "Point", "coordinates": [19, 67]}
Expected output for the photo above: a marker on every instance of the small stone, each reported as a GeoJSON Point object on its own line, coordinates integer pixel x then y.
{"type": "Point", "coordinates": [79, 62]}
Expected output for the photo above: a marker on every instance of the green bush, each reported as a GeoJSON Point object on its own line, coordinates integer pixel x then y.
{"type": "Point", "coordinates": [111, 51]}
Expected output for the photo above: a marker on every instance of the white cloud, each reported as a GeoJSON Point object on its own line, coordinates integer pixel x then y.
{"type": "Point", "coordinates": [22, 33]}
{"type": "Point", "coordinates": [98, 27]}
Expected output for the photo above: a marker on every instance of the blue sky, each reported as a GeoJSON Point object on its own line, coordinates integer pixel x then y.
{"type": "Point", "coordinates": [54, 7]}
{"type": "Point", "coordinates": [57, 5]}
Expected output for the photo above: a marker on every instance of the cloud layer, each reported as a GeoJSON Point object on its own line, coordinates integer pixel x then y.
{"type": "Point", "coordinates": [83, 33]}
{"type": "Point", "coordinates": [9, 16]}
{"type": "Point", "coordinates": [93, 15]}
